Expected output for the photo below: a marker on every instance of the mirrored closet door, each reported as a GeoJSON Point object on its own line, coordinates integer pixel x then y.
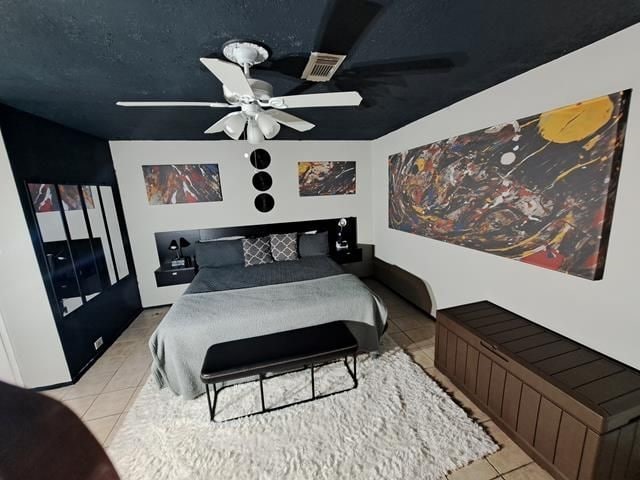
{"type": "Point", "coordinates": [81, 240]}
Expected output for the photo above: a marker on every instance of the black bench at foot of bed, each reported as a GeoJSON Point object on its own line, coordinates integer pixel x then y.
{"type": "Point", "coordinates": [282, 352]}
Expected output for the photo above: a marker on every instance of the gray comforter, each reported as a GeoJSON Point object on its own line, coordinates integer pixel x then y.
{"type": "Point", "coordinates": [199, 320]}
{"type": "Point", "coordinates": [232, 277]}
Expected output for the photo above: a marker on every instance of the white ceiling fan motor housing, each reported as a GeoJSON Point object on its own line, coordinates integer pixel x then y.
{"type": "Point", "coordinates": [262, 91]}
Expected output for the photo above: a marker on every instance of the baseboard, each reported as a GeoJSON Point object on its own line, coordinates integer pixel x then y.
{"type": "Point", "coordinates": [51, 387]}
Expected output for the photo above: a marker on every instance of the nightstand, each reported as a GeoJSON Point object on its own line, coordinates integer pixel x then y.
{"type": "Point", "coordinates": [166, 275]}
{"type": "Point", "coordinates": [347, 256]}
{"type": "Point", "coordinates": [358, 261]}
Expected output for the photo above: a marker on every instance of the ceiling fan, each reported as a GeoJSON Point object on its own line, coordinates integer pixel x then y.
{"type": "Point", "coordinates": [253, 96]}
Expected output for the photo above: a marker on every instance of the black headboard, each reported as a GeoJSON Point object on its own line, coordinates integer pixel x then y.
{"type": "Point", "coordinates": [163, 239]}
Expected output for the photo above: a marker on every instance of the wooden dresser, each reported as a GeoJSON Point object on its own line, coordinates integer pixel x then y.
{"type": "Point", "coordinates": [575, 411]}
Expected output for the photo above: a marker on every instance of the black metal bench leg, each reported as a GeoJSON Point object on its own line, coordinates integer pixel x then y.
{"type": "Point", "coordinates": [355, 371]}
{"type": "Point", "coordinates": [212, 406]}
{"type": "Point", "coordinates": [262, 394]}
{"type": "Point", "coordinates": [209, 402]}
{"type": "Point", "coordinates": [215, 402]}
{"type": "Point", "coordinates": [212, 402]}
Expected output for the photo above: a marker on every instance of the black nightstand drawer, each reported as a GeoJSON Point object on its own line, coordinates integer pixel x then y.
{"type": "Point", "coordinates": [175, 276]}
{"type": "Point", "coordinates": [348, 256]}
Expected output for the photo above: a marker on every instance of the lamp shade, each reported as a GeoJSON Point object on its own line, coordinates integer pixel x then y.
{"type": "Point", "coordinates": [234, 124]}
{"type": "Point", "coordinates": [268, 126]}
{"type": "Point", "coordinates": [173, 245]}
{"type": "Point", "coordinates": [254, 135]}
{"type": "Point", "coordinates": [184, 242]}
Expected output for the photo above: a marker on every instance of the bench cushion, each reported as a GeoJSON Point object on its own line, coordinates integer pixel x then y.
{"type": "Point", "coordinates": [278, 351]}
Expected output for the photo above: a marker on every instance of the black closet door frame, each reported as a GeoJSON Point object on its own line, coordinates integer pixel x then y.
{"type": "Point", "coordinates": [68, 336]}
{"type": "Point", "coordinates": [67, 234]}
{"type": "Point", "coordinates": [108, 232]}
{"type": "Point", "coordinates": [46, 272]}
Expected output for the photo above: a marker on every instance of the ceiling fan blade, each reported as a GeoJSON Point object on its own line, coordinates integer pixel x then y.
{"type": "Point", "coordinates": [218, 126]}
{"type": "Point", "coordinates": [232, 124]}
{"type": "Point", "coordinates": [333, 99]}
{"type": "Point", "coordinates": [289, 120]}
{"type": "Point", "coordinates": [230, 74]}
{"type": "Point", "coordinates": [175, 104]}
{"type": "Point", "coordinates": [300, 88]}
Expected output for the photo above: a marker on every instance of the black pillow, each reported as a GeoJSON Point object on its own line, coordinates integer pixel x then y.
{"type": "Point", "coordinates": [311, 245]}
{"type": "Point", "coordinates": [219, 253]}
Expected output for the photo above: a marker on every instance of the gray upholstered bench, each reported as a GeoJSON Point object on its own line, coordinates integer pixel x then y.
{"type": "Point", "coordinates": [278, 353]}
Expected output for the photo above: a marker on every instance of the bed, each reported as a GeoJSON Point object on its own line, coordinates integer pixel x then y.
{"type": "Point", "coordinates": [232, 302]}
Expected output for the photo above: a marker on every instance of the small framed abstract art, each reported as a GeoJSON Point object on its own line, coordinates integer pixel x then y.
{"type": "Point", "coordinates": [540, 189]}
{"type": "Point", "coordinates": [184, 183]}
{"type": "Point", "coordinates": [326, 178]}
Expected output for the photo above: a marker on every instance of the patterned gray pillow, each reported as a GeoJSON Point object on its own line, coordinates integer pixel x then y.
{"type": "Point", "coordinates": [257, 251]}
{"type": "Point", "coordinates": [284, 246]}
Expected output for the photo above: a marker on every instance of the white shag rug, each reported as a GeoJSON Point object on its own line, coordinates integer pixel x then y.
{"type": "Point", "coordinates": [398, 424]}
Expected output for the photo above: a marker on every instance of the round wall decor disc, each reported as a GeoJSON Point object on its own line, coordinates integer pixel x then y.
{"type": "Point", "coordinates": [262, 181]}
{"type": "Point", "coordinates": [260, 159]}
{"type": "Point", "coordinates": [264, 202]}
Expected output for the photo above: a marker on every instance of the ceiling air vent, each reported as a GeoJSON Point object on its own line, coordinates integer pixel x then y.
{"type": "Point", "coordinates": [321, 66]}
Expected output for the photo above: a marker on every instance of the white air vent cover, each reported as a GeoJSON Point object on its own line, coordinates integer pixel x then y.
{"type": "Point", "coordinates": [322, 66]}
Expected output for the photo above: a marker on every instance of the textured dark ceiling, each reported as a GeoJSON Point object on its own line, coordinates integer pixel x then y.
{"type": "Point", "coordinates": [69, 61]}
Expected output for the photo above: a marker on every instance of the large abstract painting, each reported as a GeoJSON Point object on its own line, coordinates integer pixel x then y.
{"type": "Point", "coordinates": [326, 178]}
{"type": "Point", "coordinates": [45, 199]}
{"type": "Point", "coordinates": [169, 184]}
{"type": "Point", "coordinates": [539, 190]}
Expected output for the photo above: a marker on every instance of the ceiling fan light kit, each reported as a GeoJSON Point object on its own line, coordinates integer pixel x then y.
{"type": "Point", "coordinates": [234, 124]}
{"type": "Point", "coordinates": [268, 126]}
{"type": "Point", "coordinates": [254, 134]}
{"type": "Point", "coordinates": [252, 95]}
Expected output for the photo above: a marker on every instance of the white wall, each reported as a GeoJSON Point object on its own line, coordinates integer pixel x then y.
{"type": "Point", "coordinates": [9, 371]}
{"type": "Point", "coordinates": [602, 314]}
{"type": "Point", "coordinates": [32, 342]}
{"type": "Point", "coordinates": [237, 207]}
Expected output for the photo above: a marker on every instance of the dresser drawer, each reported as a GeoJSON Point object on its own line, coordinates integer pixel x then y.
{"type": "Point", "coordinates": [179, 276]}
{"type": "Point", "coordinates": [347, 256]}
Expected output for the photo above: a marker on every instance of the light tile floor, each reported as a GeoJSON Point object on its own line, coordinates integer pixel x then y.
{"type": "Point", "coordinates": [105, 393]}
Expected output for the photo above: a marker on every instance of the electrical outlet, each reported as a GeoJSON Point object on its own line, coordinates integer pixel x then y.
{"type": "Point", "coordinates": [98, 343]}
